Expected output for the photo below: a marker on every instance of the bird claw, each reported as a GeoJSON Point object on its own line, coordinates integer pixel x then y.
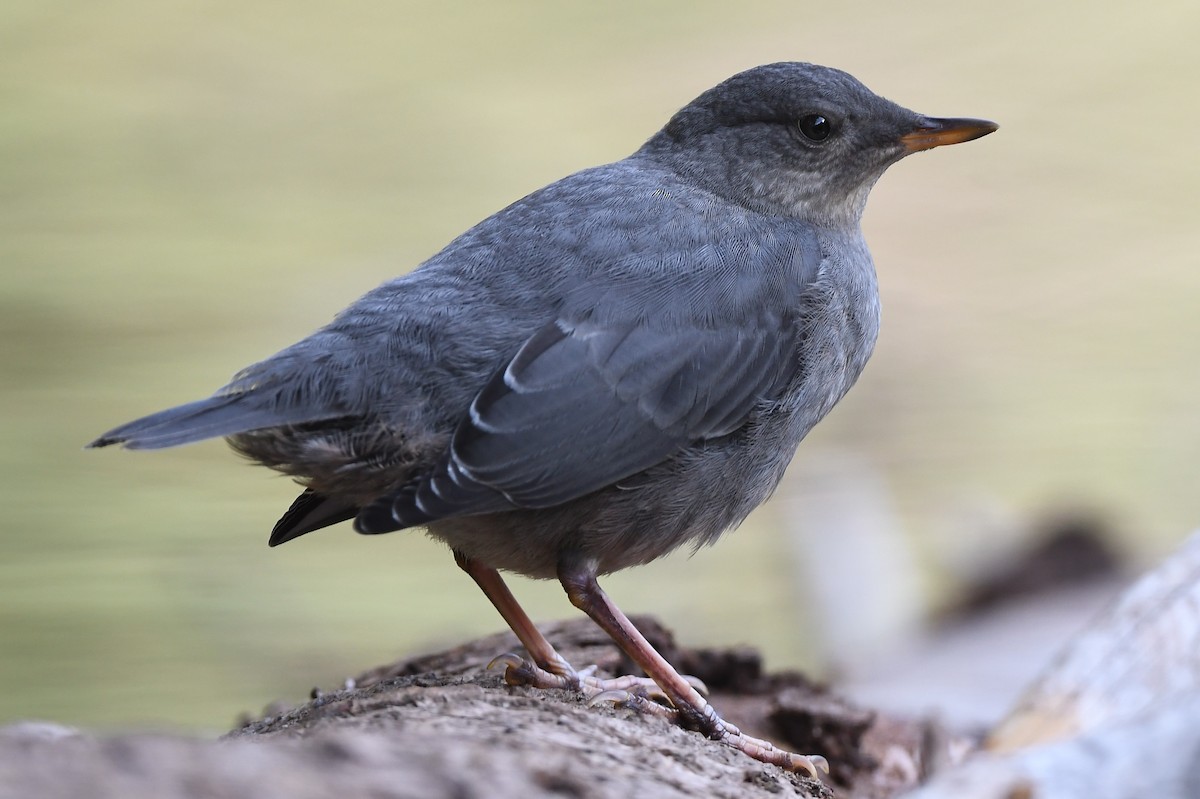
{"type": "Point", "coordinates": [518, 671]}
{"type": "Point", "coordinates": [639, 703]}
{"type": "Point", "coordinates": [508, 659]}
{"type": "Point", "coordinates": [815, 765]}
{"type": "Point", "coordinates": [617, 698]}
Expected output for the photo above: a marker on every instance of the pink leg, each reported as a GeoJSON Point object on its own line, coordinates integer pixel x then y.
{"type": "Point", "coordinates": [548, 669]}
{"type": "Point", "coordinates": [694, 711]}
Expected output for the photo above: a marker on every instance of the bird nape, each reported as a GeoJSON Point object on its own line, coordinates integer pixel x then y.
{"type": "Point", "coordinates": [618, 364]}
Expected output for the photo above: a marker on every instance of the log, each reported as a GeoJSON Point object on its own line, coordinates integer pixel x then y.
{"type": "Point", "coordinates": [443, 726]}
{"type": "Point", "coordinates": [1117, 716]}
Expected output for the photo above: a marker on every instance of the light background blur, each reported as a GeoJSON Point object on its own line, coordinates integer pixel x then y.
{"type": "Point", "coordinates": [187, 187]}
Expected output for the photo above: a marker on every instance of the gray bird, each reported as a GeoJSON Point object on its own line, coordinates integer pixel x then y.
{"type": "Point", "coordinates": [620, 363]}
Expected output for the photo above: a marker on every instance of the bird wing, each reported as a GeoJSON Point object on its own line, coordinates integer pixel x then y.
{"type": "Point", "coordinates": [583, 405]}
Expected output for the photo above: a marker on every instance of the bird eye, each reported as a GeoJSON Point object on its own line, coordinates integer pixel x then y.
{"type": "Point", "coordinates": [815, 127]}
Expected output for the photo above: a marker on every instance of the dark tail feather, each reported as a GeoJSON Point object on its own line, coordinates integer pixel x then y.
{"type": "Point", "coordinates": [394, 512]}
{"type": "Point", "coordinates": [311, 511]}
{"type": "Point", "coordinates": [219, 415]}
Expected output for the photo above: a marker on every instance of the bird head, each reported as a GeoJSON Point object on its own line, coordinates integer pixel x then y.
{"type": "Point", "coordinates": [797, 139]}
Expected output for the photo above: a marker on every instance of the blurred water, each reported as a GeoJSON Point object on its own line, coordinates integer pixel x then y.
{"type": "Point", "coordinates": [186, 188]}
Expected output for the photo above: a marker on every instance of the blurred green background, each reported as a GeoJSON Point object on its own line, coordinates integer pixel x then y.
{"type": "Point", "coordinates": [187, 187]}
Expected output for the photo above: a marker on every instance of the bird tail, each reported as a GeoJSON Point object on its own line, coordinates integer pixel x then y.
{"type": "Point", "coordinates": [311, 511]}
{"type": "Point", "coordinates": [218, 415]}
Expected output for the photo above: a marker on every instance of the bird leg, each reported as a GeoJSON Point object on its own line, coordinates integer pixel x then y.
{"type": "Point", "coordinates": [692, 711]}
{"type": "Point", "coordinates": [548, 669]}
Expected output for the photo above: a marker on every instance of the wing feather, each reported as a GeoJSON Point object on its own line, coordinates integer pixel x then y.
{"type": "Point", "coordinates": [583, 405]}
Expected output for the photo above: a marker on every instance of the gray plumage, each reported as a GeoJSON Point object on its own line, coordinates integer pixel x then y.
{"type": "Point", "coordinates": [613, 366]}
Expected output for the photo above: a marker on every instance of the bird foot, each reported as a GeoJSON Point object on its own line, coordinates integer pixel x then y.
{"type": "Point", "coordinates": [767, 752]}
{"type": "Point", "coordinates": [643, 695]}
{"type": "Point", "coordinates": [518, 671]}
{"type": "Point", "coordinates": [649, 703]}
{"type": "Point", "coordinates": [718, 730]}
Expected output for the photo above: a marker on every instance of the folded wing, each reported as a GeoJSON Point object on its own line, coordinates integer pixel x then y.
{"type": "Point", "coordinates": [583, 405]}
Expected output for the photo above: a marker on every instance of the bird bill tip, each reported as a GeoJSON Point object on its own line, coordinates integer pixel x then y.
{"type": "Point", "coordinates": [933, 132]}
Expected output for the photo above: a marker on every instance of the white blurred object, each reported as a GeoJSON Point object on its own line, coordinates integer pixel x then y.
{"type": "Point", "coordinates": [971, 673]}
{"type": "Point", "coordinates": [859, 572]}
{"type": "Point", "coordinates": [855, 563]}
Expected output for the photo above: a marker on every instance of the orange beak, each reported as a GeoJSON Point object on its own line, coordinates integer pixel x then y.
{"type": "Point", "coordinates": [934, 132]}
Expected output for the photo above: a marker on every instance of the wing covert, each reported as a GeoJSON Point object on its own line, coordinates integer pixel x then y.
{"type": "Point", "coordinates": [583, 405]}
